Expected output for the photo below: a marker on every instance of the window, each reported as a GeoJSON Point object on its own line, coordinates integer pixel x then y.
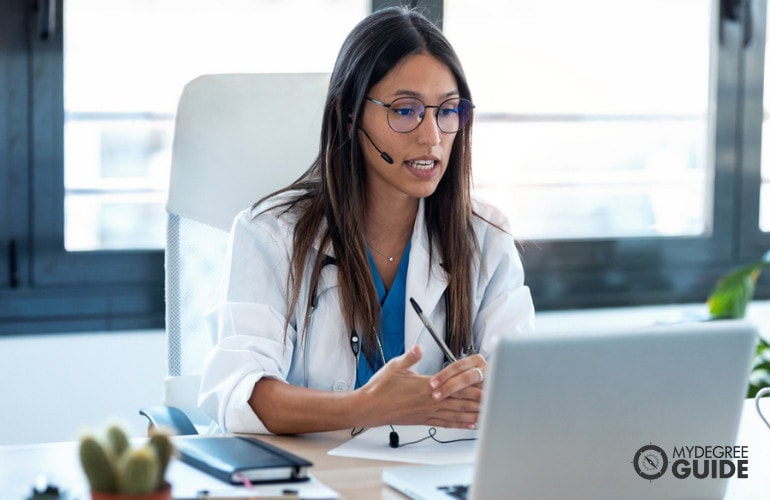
{"type": "Point", "coordinates": [631, 157]}
{"type": "Point", "coordinates": [606, 131]}
{"type": "Point", "coordinates": [624, 141]}
{"type": "Point", "coordinates": [84, 248]}
{"type": "Point", "coordinates": [119, 120]}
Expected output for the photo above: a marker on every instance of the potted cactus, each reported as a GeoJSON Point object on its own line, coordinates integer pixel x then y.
{"type": "Point", "coordinates": [116, 470]}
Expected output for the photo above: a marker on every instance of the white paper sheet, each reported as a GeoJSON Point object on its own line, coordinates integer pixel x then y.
{"type": "Point", "coordinates": [374, 444]}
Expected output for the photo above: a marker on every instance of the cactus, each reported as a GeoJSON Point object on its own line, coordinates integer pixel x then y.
{"type": "Point", "coordinates": [164, 450]}
{"type": "Point", "coordinates": [98, 466]}
{"type": "Point", "coordinates": [117, 440]}
{"type": "Point", "coordinates": [140, 471]}
{"type": "Point", "coordinates": [114, 466]}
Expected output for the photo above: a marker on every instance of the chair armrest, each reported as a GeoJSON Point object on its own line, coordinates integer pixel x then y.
{"type": "Point", "coordinates": [169, 417]}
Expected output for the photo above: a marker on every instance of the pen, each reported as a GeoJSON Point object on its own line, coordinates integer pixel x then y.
{"type": "Point", "coordinates": [432, 331]}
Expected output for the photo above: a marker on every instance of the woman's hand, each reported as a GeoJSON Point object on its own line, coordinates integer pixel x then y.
{"type": "Point", "coordinates": [462, 379]}
{"type": "Point", "coordinates": [397, 395]}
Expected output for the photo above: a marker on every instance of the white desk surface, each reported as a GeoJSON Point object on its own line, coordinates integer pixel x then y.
{"type": "Point", "coordinates": [353, 478]}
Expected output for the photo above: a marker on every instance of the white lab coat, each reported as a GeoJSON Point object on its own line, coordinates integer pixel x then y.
{"type": "Point", "coordinates": [249, 314]}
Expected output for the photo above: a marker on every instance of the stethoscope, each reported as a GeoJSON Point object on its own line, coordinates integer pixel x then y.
{"type": "Point", "coordinates": [328, 260]}
{"type": "Point", "coordinates": [355, 338]}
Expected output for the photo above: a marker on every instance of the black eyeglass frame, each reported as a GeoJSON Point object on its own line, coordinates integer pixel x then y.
{"type": "Point", "coordinates": [426, 107]}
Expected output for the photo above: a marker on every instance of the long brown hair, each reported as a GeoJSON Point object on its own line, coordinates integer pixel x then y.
{"type": "Point", "coordinates": [332, 191]}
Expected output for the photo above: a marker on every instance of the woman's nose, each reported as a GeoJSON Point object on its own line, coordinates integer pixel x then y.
{"type": "Point", "coordinates": [428, 130]}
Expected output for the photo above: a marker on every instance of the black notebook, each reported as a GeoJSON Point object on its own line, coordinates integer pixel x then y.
{"type": "Point", "coordinates": [238, 459]}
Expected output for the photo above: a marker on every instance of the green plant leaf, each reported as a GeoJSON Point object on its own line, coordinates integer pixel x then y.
{"type": "Point", "coordinates": [732, 293]}
{"type": "Point", "coordinates": [729, 300]}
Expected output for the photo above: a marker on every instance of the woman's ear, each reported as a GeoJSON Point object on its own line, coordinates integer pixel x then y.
{"type": "Point", "coordinates": [348, 121]}
{"type": "Point", "coordinates": [350, 125]}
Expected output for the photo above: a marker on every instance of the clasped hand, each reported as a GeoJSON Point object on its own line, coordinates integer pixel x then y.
{"type": "Point", "coordinates": [450, 398]}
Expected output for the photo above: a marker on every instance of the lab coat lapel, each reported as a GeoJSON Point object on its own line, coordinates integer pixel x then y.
{"type": "Point", "coordinates": [328, 278]}
{"type": "Point", "coordinates": [424, 283]}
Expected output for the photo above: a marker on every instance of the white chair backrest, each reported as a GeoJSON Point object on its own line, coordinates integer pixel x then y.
{"type": "Point", "coordinates": [237, 138]}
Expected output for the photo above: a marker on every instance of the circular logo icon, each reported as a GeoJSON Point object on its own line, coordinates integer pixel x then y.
{"type": "Point", "coordinates": [650, 462]}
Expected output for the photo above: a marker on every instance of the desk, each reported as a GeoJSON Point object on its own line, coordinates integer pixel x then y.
{"type": "Point", "coordinates": [353, 478]}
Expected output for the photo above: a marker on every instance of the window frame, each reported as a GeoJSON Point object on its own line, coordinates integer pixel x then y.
{"type": "Point", "coordinates": [48, 289]}
{"type": "Point", "coordinates": [55, 290]}
{"type": "Point", "coordinates": [754, 242]}
{"type": "Point", "coordinates": [13, 153]}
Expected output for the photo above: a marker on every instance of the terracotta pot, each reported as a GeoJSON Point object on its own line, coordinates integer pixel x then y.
{"type": "Point", "coordinates": [163, 494]}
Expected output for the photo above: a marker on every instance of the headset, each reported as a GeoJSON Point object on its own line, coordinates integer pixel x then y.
{"type": "Point", "coordinates": [395, 442]}
{"type": "Point", "coordinates": [432, 431]}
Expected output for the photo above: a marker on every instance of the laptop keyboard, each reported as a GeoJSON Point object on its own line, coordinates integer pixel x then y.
{"type": "Point", "coordinates": [459, 491]}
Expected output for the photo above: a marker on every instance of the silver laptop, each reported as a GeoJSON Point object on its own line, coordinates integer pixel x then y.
{"type": "Point", "coordinates": [594, 415]}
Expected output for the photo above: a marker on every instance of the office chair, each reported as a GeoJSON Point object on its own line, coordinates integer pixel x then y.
{"type": "Point", "coordinates": [237, 138]}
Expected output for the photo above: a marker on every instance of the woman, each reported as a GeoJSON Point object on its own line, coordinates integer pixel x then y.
{"type": "Point", "coordinates": [314, 329]}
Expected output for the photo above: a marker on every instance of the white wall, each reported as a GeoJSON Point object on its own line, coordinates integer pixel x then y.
{"type": "Point", "coordinates": [53, 387]}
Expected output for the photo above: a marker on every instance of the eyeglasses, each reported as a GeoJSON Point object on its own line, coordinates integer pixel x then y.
{"type": "Point", "coordinates": [406, 113]}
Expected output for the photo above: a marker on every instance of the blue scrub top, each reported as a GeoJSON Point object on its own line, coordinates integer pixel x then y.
{"type": "Point", "coordinates": [393, 303]}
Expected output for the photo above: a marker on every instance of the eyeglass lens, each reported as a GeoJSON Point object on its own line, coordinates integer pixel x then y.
{"type": "Point", "coordinates": [406, 113]}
